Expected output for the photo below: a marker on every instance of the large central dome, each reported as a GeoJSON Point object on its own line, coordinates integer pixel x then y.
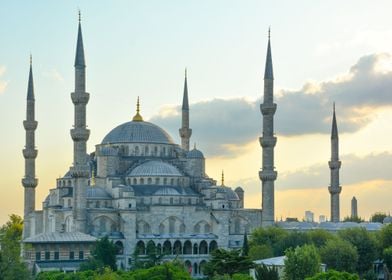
{"type": "Point", "coordinates": [137, 132]}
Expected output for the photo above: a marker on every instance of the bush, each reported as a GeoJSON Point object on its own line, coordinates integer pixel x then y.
{"type": "Point", "coordinates": [339, 255]}
{"type": "Point", "coordinates": [334, 275]}
{"type": "Point", "coordinates": [301, 262]}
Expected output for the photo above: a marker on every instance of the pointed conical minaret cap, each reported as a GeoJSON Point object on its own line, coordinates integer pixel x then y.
{"type": "Point", "coordinates": [137, 117]}
{"type": "Point", "coordinates": [269, 73]}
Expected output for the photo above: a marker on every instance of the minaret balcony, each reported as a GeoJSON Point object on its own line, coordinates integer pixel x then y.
{"type": "Point", "coordinates": [334, 164]}
{"type": "Point", "coordinates": [30, 153]}
{"type": "Point", "coordinates": [30, 125]}
{"type": "Point", "coordinates": [80, 134]}
{"type": "Point", "coordinates": [268, 175]}
{"type": "Point", "coordinates": [334, 190]}
{"type": "Point", "coordinates": [80, 171]}
{"type": "Point", "coordinates": [267, 142]}
{"type": "Point", "coordinates": [29, 182]}
{"type": "Point", "coordinates": [268, 109]}
{"type": "Point", "coordinates": [185, 132]}
{"type": "Point", "coordinates": [80, 97]}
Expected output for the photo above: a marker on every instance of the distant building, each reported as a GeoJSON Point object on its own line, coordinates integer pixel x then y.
{"type": "Point", "coordinates": [354, 208]}
{"type": "Point", "coordinates": [278, 263]}
{"type": "Point", "coordinates": [309, 216]}
{"type": "Point", "coordinates": [322, 219]}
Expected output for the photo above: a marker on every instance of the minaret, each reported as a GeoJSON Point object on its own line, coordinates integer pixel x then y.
{"type": "Point", "coordinates": [29, 181]}
{"type": "Point", "coordinates": [268, 141]}
{"type": "Point", "coordinates": [334, 165]}
{"type": "Point", "coordinates": [185, 131]}
{"type": "Point", "coordinates": [354, 208]}
{"type": "Point", "coordinates": [80, 135]}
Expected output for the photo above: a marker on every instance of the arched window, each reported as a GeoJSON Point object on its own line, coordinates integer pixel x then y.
{"type": "Point", "coordinates": [196, 229]}
{"type": "Point", "coordinates": [149, 181]}
{"type": "Point", "coordinates": [151, 249]}
{"type": "Point", "coordinates": [177, 248]}
{"type": "Point", "coordinates": [161, 228]}
{"type": "Point", "coordinates": [237, 224]}
{"type": "Point", "coordinates": [140, 248]}
{"type": "Point", "coordinates": [167, 249]}
{"type": "Point", "coordinates": [201, 267]}
{"type": "Point", "coordinates": [146, 150]}
{"type": "Point", "coordinates": [203, 249]}
{"type": "Point", "coordinates": [134, 181]}
{"type": "Point", "coordinates": [195, 268]}
{"type": "Point", "coordinates": [165, 181]}
{"type": "Point", "coordinates": [172, 181]}
{"type": "Point", "coordinates": [141, 181]}
{"type": "Point", "coordinates": [164, 151]}
{"type": "Point", "coordinates": [155, 150]}
{"type": "Point", "coordinates": [137, 150]}
{"type": "Point", "coordinates": [120, 247]}
{"type": "Point", "coordinates": [160, 200]}
{"type": "Point", "coordinates": [156, 181]}
{"type": "Point", "coordinates": [146, 228]}
{"type": "Point", "coordinates": [172, 222]}
{"type": "Point", "coordinates": [213, 246]}
{"type": "Point", "coordinates": [187, 248]}
{"type": "Point", "coordinates": [207, 228]}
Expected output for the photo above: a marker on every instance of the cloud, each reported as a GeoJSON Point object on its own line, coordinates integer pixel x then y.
{"type": "Point", "coordinates": [54, 74]}
{"type": "Point", "coordinates": [219, 123]}
{"type": "Point", "coordinates": [3, 84]}
{"type": "Point", "coordinates": [354, 170]}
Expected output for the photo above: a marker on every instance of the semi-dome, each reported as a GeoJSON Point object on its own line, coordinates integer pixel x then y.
{"type": "Point", "coordinates": [155, 168]}
{"type": "Point", "coordinates": [138, 132]}
{"type": "Point", "coordinates": [97, 193]}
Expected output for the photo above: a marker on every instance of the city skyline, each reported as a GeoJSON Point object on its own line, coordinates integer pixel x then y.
{"type": "Point", "coordinates": [224, 100]}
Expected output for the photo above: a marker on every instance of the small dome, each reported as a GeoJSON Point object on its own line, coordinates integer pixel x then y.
{"type": "Point", "coordinates": [97, 193]}
{"type": "Point", "coordinates": [229, 193]}
{"type": "Point", "coordinates": [239, 189]}
{"type": "Point", "coordinates": [137, 132]}
{"type": "Point", "coordinates": [195, 153]}
{"type": "Point", "coordinates": [155, 168]}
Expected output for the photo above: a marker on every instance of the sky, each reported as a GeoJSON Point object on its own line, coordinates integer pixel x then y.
{"type": "Point", "coordinates": [323, 52]}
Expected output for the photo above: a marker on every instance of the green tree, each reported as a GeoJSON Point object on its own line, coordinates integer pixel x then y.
{"type": "Point", "coordinates": [153, 256]}
{"type": "Point", "coordinates": [319, 237]}
{"type": "Point", "coordinates": [11, 264]}
{"type": "Point", "coordinates": [227, 262]}
{"type": "Point", "coordinates": [387, 256]}
{"type": "Point", "coordinates": [301, 262]}
{"type": "Point", "coordinates": [334, 275]}
{"type": "Point", "coordinates": [353, 219]}
{"type": "Point", "coordinates": [365, 244]}
{"type": "Point", "coordinates": [386, 236]}
{"type": "Point", "coordinates": [339, 255]}
{"type": "Point", "coordinates": [292, 240]}
{"type": "Point", "coordinates": [378, 217]}
{"type": "Point", "coordinates": [259, 252]}
{"type": "Point", "coordinates": [269, 236]}
{"type": "Point", "coordinates": [103, 255]}
{"type": "Point", "coordinates": [245, 245]}
{"type": "Point", "coordinates": [262, 272]}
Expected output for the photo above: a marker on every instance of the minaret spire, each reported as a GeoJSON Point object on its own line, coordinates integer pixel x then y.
{"type": "Point", "coordinates": [29, 181]}
{"type": "Point", "coordinates": [185, 131]}
{"type": "Point", "coordinates": [334, 165]}
{"type": "Point", "coordinates": [80, 134]}
{"type": "Point", "coordinates": [268, 174]}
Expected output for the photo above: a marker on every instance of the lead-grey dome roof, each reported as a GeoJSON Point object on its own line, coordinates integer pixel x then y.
{"type": "Point", "coordinates": [194, 153]}
{"type": "Point", "coordinates": [97, 193]}
{"type": "Point", "coordinates": [138, 132]}
{"type": "Point", "coordinates": [155, 168]}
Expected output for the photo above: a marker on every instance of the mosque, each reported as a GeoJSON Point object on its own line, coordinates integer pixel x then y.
{"type": "Point", "coordinates": [139, 188]}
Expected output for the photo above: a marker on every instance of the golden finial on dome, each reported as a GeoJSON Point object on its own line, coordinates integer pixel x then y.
{"type": "Point", "coordinates": [137, 117]}
{"type": "Point", "coordinates": [223, 178]}
{"type": "Point", "coordinates": [92, 179]}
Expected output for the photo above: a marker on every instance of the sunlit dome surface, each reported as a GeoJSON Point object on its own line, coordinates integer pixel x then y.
{"type": "Point", "coordinates": [138, 132]}
{"type": "Point", "coordinates": [155, 168]}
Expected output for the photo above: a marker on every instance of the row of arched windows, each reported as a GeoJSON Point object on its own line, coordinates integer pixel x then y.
{"type": "Point", "coordinates": [177, 248]}
{"type": "Point", "coordinates": [156, 181]}
{"type": "Point", "coordinates": [174, 225]}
